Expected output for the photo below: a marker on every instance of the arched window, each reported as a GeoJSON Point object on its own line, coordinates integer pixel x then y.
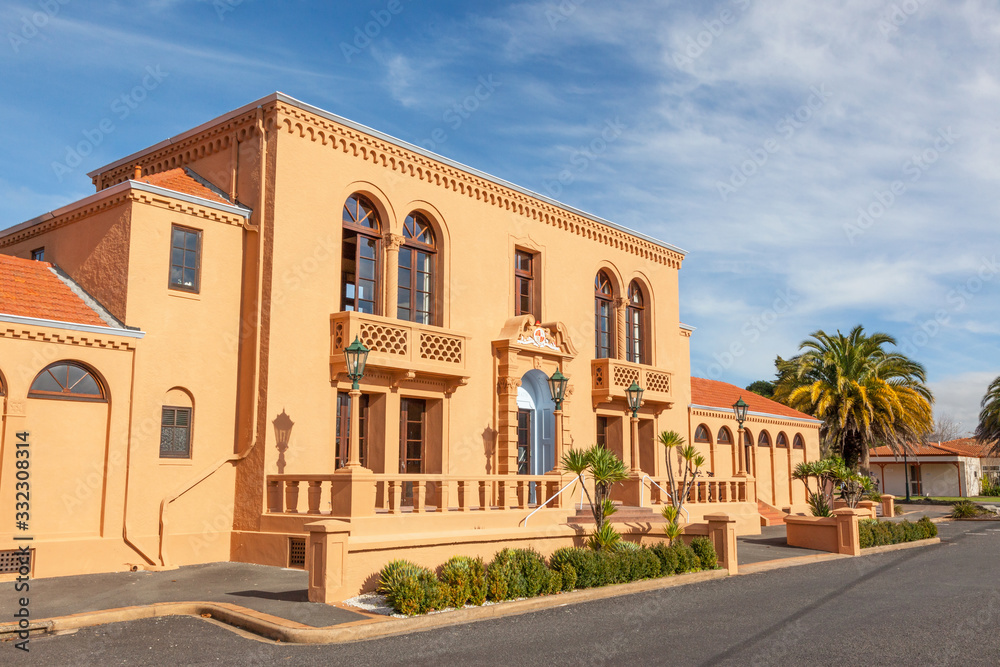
{"type": "Point", "coordinates": [747, 437]}
{"type": "Point", "coordinates": [604, 322]}
{"type": "Point", "coordinates": [416, 271]}
{"type": "Point", "coordinates": [635, 327]}
{"type": "Point", "coordinates": [798, 442]}
{"type": "Point", "coordinates": [69, 381]}
{"type": "Point", "coordinates": [360, 271]}
{"type": "Point", "coordinates": [764, 439]}
{"type": "Point", "coordinates": [176, 417]}
{"type": "Point", "coordinates": [701, 434]}
{"type": "Point", "coordinates": [725, 436]}
{"type": "Point", "coordinates": [781, 440]}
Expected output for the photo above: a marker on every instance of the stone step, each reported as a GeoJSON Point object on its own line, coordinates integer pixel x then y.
{"type": "Point", "coordinates": [623, 515]}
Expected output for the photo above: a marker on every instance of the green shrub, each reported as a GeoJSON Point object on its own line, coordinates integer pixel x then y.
{"type": "Point", "coordinates": [568, 574]}
{"type": "Point", "coordinates": [419, 594]}
{"type": "Point", "coordinates": [393, 574]}
{"type": "Point", "coordinates": [687, 559]}
{"type": "Point", "coordinates": [584, 562]}
{"type": "Point", "coordinates": [874, 533]}
{"type": "Point", "coordinates": [464, 581]}
{"type": "Point", "coordinates": [517, 573]}
{"type": "Point", "coordinates": [555, 583]}
{"type": "Point", "coordinates": [703, 547]}
{"type": "Point", "coordinates": [965, 509]}
{"type": "Point", "coordinates": [667, 558]}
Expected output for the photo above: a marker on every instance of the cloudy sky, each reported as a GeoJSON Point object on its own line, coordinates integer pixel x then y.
{"type": "Point", "coordinates": [825, 163]}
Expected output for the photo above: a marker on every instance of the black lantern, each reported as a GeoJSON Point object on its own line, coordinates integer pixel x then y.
{"type": "Point", "coordinates": [557, 388]}
{"type": "Point", "coordinates": [740, 408]}
{"type": "Point", "coordinates": [357, 355]}
{"type": "Point", "coordinates": [634, 398]}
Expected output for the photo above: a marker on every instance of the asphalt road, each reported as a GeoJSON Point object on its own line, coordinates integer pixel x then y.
{"type": "Point", "coordinates": [936, 605]}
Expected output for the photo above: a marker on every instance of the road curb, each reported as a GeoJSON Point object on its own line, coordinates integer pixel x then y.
{"type": "Point", "coordinates": [282, 630]}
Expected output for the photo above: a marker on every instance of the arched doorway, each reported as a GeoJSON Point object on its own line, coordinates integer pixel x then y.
{"type": "Point", "coordinates": [536, 453]}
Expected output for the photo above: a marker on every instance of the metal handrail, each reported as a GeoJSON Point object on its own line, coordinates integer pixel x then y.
{"type": "Point", "coordinates": [652, 481]}
{"type": "Point", "coordinates": [579, 478]}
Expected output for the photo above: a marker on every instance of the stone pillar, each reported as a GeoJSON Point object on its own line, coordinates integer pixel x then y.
{"type": "Point", "coordinates": [634, 444]}
{"type": "Point", "coordinates": [354, 456]}
{"type": "Point", "coordinates": [352, 492]}
{"type": "Point", "coordinates": [869, 507]}
{"type": "Point", "coordinates": [326, 561]}
{"type": "Point", "coordinates": [848, 537]}
{"type": "Point", "coordinates": [560, 447]}
{"type": "Point", "coordinates": [888, 505]}
{"type": "Point", "coordinates": [392, 242]}
{"type": "Point", "coordinates": [621, 308]}
{"type": "Point", "coordinates": [740, 451]}
{"type": "Point", "coordinates": [722, 532]}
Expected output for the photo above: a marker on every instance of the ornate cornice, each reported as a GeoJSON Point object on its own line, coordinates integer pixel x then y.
{"type": "Point", "coordinates": [66, 338]}
{"type": "Point", "coordinates": [304, 124]}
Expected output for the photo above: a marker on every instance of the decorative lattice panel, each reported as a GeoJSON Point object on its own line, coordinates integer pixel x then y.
{"type": "Point", "coordinates": [383, 338]}
{"type": "Point", "coordinates": [599, 377]}
{"type": "Point", "coordinates": [658, 382]}
{"type": "Point", "coordinates": [338, 336]}
{"type": "Point", "coordinates": [625, 376]}
{"type": "Point", "coordinates": [297, 552]}
{"type": "Point", "coordinates": [10, 560]}
{"type": "Point", "coordinates": [434, 347]}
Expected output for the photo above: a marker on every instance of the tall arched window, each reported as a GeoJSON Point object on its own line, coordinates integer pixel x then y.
{"type": "Point", "coordinates": [604, 322]}
{"type": "Point", "coordinates": [635, 328]}
{"type": "Point", "coordinates": [701, 434]}
{"type": "Point", "coordinates": [725, 437]}
{"type": "Point", "coordinates": [781, 440]}
{"type": "Point", "coordinates": [67, 380]}
{"type": "Point", "coordinates": [360, 271]}
{"type": "Point", "coordinates": [416, 271]}
{"type": "Point", "coordinates": [764, 439]}
{"type": "Point", "coordinates": [798, 442]}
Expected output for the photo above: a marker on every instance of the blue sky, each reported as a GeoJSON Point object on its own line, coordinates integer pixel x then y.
{"type": "Point", "coordinates": [824, 163]}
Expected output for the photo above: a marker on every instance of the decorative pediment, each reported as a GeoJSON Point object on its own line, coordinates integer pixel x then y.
{"type": "Point", "coordinates": [523, 333]}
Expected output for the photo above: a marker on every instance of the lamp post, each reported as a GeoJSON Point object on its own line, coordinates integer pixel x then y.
{"type": "Point", "coordinates": [740, 408]}
{"type": "Point", "coordinates": [906, 475]}
{"type": "Point", "coordinates": [356, 355]}
{"type": "Point", "coordinates": [634, 393]}
{"type": "Point", "coordinates": [557, 389]}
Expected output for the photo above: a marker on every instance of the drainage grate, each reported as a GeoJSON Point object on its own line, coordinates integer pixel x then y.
{"type": "Point", "coordinates": [10, 560]}
{"type": "Point", "coordinates": [297, 552]}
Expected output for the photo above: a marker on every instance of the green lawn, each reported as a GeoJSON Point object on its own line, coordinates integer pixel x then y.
{"type": "Point", "coordinates": [949, 499]}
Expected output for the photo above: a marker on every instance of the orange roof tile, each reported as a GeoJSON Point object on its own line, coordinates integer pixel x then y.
{"type": "Point", "coordinates": [917, 450]}
{"type": "Point", "coordinates": [966, 447]}
{"type": "Point", "coordinates": [723, 395]}
{"type": "Point", "coordinates": [30, 289]}
{"type": "Point", "coordinates": [183, 180]}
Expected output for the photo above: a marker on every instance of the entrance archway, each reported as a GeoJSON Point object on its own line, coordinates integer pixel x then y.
{"type": "Point", "coordinates": [537, 424]}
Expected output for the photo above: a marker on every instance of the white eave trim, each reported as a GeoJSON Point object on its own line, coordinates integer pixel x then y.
{"type": "Point", "coordinates": [687, 327]}
{"type": "Point", "coordinates": [71, 326]}
{"type": "Point", "coordinates": [122, 187]}
{"type": "Point", "coordinates": [808, 420]}
{"type": "Point", "coordinates": [281, 97]}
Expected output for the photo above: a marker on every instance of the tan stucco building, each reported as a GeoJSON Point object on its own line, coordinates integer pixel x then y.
{"type": "Point", "coordinates": [229, 267]}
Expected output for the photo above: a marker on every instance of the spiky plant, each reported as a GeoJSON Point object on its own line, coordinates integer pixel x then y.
{"type": "Point", "coordinates": [604, 538]}
{"type": "Point", "coordinates": [606, 469]}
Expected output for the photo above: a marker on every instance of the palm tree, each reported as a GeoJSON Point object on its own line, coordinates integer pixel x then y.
{"type": "Point", "coordinates": [988, 430]}
{"type": "Point", "coordinates": [606, 469]}
{"type": "Point", "coordinates": [865, 394]}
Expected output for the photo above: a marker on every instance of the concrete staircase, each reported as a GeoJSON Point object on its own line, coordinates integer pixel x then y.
{"type": "Point", "coordinates": [770, 516]}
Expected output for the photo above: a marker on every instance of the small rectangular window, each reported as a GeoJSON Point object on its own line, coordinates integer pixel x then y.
{"type": "Point", "coordinates": [175, 433]}
{"type": "Point", "coordinates": [185, 259]}
{"type": "Point", "coordinates": [38, 254]}
{"type": "Point", "coordinates": [602, 432]}
{"type": "Point", "coordinates": [524, 283]}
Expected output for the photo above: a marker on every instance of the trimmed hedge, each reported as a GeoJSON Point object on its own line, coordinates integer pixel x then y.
{"type": "Point", "coordinates": [875, 533]}
{"type": "Point", "coordinates": [523, 573]}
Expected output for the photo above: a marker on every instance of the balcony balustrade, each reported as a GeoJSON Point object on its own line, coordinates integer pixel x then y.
{"type": "Point", "coordinates": [611, 377]}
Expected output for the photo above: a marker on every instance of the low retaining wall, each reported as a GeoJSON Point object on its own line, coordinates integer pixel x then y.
{"type": "Point", "coordinates": [340, 566]}
{"type": "Point", "coordinates": [836, 534]}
